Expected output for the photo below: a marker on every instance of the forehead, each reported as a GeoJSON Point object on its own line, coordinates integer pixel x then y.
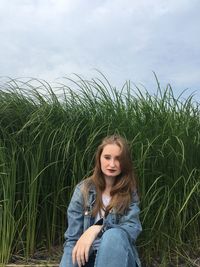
{"type": "Point", "coordinates": [111, 149]}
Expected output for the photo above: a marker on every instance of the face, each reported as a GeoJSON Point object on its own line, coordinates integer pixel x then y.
{"type": "Point", "coordinates": [110, 160]}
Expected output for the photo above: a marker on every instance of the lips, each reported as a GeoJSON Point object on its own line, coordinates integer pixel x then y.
{"type": "Point", "coordinates": [111, 170]}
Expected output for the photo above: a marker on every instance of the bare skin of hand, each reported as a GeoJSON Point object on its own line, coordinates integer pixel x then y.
{"type": "Point", "coordinates": [80, 253]}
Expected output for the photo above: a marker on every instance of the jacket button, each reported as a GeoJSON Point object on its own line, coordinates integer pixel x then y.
{"type": "Point", "coordinates": [86, 212]}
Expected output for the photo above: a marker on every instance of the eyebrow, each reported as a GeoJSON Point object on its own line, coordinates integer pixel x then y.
{"type": "Point", "coordinates": [118, 156]}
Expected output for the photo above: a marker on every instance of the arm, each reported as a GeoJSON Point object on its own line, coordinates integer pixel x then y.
{"type": "Point", "coordinates": [77, 244]}
{"type": "Point", "coordinates": [75, 226]}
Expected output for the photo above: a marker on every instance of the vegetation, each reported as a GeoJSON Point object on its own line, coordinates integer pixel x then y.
{"type": "Point", "coordinates": [48, 136]}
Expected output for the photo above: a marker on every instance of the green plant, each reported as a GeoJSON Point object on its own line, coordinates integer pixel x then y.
{"type": "Point", "coordinates": [48, 136]}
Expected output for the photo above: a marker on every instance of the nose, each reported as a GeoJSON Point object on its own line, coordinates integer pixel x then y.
{"type": "Point", "coordinates": [112, 163]}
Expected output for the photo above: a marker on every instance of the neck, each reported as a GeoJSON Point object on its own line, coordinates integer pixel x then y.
{"type": "Point", "coordinates": [109, 184]}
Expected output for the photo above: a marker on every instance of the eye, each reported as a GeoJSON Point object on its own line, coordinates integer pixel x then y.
{"type": "Point", "coordinates": [106, 157]}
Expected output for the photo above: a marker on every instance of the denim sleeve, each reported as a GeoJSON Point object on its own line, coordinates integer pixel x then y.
{"type": "Point", "coordinates": [129, 222]}
{"type": "Point", "coordinates": [75, 227]}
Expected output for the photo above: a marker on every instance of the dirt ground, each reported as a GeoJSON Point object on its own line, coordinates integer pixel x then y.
{"type": "Point", "coordinates": [52, 258]}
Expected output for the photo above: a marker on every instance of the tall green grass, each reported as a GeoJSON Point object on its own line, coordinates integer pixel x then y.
{"type": "Point", "coordinates": [48, 136]}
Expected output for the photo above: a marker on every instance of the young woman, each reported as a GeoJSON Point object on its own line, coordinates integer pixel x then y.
{"type": "Point", "coordinates": [103, 215]}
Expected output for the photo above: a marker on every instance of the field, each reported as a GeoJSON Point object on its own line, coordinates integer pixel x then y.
{"type": "Point", "coordinates": [48, 136]}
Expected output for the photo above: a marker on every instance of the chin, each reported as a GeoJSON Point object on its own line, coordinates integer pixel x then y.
{"type": "Point", "coordinates": [111, 175]}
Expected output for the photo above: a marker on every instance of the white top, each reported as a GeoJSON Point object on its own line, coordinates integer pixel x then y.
{"type": "Point", "coordinates": [106, 200]}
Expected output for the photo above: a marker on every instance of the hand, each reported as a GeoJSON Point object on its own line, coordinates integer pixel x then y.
{"type": "Point", "coordinates": [80, 252]}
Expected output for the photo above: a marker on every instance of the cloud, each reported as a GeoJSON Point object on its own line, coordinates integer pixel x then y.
{"type": "Point", "coordinates": [126, 40]}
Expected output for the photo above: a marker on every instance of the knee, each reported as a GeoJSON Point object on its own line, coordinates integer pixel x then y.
{"type": "Point", "coordinates": [114, 237]}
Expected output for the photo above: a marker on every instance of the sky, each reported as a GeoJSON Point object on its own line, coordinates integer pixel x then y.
{"type": "Point", "coordinates": [123, 39]}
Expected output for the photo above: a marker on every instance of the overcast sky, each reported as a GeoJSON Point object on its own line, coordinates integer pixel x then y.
{"type": "Point", "coordinates": [124, 39]}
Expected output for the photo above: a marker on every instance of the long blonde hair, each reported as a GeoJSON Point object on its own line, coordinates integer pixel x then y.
{"type": "Point", "coordinates": [125, 184]}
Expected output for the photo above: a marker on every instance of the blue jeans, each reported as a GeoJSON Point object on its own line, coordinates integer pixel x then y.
{"type": "Point", "coordinates": [114, 251]}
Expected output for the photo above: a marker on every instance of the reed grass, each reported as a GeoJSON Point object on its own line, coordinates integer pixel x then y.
{"type": "Point", "coordinates": [48, 136]}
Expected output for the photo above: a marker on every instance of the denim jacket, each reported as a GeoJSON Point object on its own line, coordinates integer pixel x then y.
{"type": "Point", "coordinates": [79, 219]}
